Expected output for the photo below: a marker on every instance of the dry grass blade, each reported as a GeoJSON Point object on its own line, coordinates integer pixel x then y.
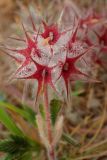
{"type": "Point", "coordinates": [97, 150]}
{"type": "Point", "coordinates": [102, 120]}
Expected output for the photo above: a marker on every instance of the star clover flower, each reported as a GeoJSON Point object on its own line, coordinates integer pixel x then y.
{"type": "Point", "coordinates": [49, 55]}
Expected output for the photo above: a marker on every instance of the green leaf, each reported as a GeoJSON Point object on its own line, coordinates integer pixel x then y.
{"type": "Point", "coordinates": [17, 147]}
{"type": "Point", "coordinates": [8, 122]}
{"type": "Point", "coordinates": [41, 108]}
{"type": "Point", "coordinates": [55, 108]}
{"type": "Point", "coordinates": [78, 86]}
{"type": "Point", "coordinates": [26, 156]}
{"type": "Point", "coordinates": [13, 144]}
{"type": "Point", "coordinates": [28, 114]}
{"type": "Point", "coordinates": [70, 140]}
{"type": "Point", "coordinates": [8, 157]}
{"type": "Point", "coordinates": [3, 158]}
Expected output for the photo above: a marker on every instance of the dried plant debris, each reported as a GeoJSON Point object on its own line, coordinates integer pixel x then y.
{"type": "Point", "coordinates": [64, 46]}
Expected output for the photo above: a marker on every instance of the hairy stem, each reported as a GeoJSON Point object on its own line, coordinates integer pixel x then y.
{"type": "Point", "coordinates": [51, 151]}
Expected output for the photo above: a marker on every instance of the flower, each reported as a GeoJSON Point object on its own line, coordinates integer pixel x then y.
{"type": "Point", "coordinates": [51, 33]}
{"type": "Point", "coordinates": [49, 55]}
{"type": "Point", "coordinates": [69, 69]}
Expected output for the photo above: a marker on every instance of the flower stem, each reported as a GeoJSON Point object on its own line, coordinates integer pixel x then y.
{"type": "Point", "coordinates": [51, 154]}
{"type": "Point", "coordinates": [51, 151]}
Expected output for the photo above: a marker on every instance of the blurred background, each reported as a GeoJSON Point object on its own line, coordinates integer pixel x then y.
{"type": "Point", "coordinates": [86, 116]}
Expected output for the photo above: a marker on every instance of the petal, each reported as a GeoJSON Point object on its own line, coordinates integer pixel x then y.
{"type": "Point", "coordinates": [26, 71]}
{"type": "Point", "coordinates": [77, 49]}
{"type": "Point", "coordinates": [59, 57]}
{"type": "Point", "coordinates": [64, 38]}
{"type": "Point", "coordinates": [14, 54]}
{"type": "Point", "coordinates": [42, 60]}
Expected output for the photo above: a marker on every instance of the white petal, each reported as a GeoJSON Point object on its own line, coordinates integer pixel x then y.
{"type": "Point", "coordinates": [43, 60]}
{"type": "Point", "coordinates": [63, 39]}
{"type": "Point", "coordinates": [77, 49]}
{"type": "Point", "coordinates": [26, 71]}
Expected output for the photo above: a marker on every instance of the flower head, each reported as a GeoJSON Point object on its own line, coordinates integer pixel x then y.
{"type": "Point", "coordinates": [42, 62]}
